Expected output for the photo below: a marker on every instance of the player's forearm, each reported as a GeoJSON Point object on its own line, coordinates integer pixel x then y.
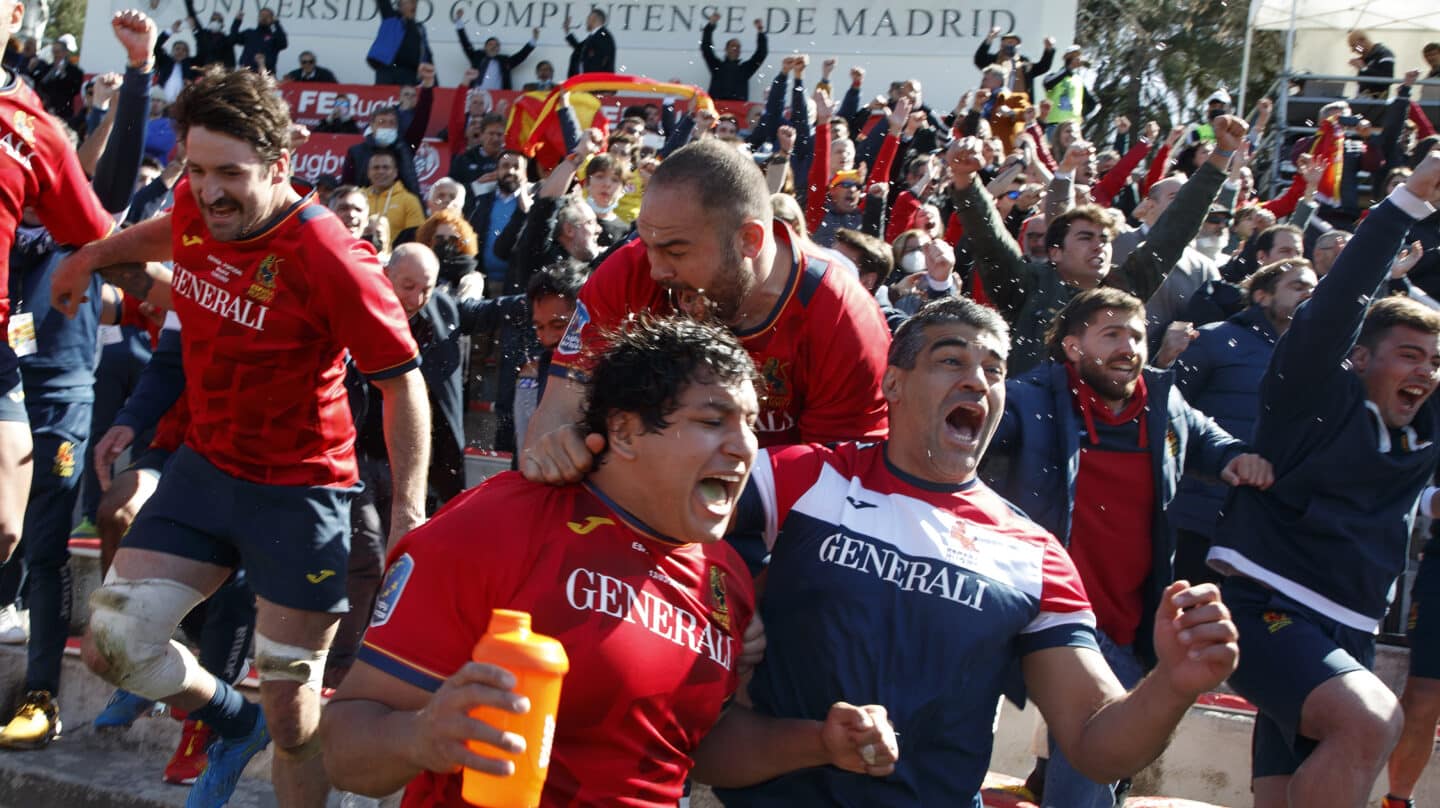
{"type": "Point", "coordinates": [146, 241]}
{"type": "Point", "coordinates": [381, 765]}
{"type": "Point", "coordinates": [149, 282]}
{"type": "Point", "coordinates": [407, 440]}
{"type": "Point", "coordinates": [559, 409]}
{"type": "Point", "coordinates": [1127, 734]}
{"type": "Point", "coordinates": [745, 748]}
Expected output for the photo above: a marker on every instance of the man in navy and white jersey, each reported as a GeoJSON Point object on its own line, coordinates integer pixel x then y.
{"type": "Point", "coordinates": [898, 578]}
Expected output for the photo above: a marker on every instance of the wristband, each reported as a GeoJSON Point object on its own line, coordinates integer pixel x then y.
{"type": "Point", "coordinates": [1226, 153]}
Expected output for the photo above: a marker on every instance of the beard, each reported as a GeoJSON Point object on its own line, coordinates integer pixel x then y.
{"type": "Point", "coordinates": [722, 300]}
{"type": "Point", "coordinates": [1105, 385]}
{"type": "Point", "coordinates": [508, 184]}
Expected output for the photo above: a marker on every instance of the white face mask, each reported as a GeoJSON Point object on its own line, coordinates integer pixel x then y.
{"type": "Point", "coordinates": [1210, 245]}
{"type": "Point", "coordinates": [913, 261]}
{"type": "Point", "coordinates": [386, 136]}
{"type": "Point", "coordinates": [601, 210]}
{"type": "Point", "coordinates": [216, 26]}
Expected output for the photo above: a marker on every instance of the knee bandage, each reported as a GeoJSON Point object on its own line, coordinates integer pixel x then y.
{"type": "Point", "coordinates": [131, 621]}
{"type": "Point", "coordinates": [278, 662]}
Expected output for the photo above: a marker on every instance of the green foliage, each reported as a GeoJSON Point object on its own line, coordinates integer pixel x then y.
{"type": "Point", "coordinates": [1160, 59]}
{"type": "Point", "coordinates": [67, 17]}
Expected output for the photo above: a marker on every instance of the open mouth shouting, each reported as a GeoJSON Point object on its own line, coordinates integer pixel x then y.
{"type": "Point", "coordinates": [965, 423]}
{"type": "Point", "coordinates": [718, 492]}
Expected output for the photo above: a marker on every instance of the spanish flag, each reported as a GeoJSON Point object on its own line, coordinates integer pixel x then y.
{"type": "Point", "coordinates": [1328, 149]}
{"type": "Point", "coordinates": [534, 128]}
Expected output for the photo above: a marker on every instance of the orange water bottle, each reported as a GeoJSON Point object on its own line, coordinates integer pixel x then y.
{"type": "Point", "coordinates": [538, 664]}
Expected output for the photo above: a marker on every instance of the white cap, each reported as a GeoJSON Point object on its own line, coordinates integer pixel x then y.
{"type": "Point", "coordinates": [68, 40]}
{"type": "Point", "coordinates": [1219, 95]}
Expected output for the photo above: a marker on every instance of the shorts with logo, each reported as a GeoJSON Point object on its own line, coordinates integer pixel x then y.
{"type": "Point", "coordinates": [1286, 651]}
{"type": "Point", "coordinates": [12, 391]}
{"type": "Point", "coordinates": [293, 541]}
{"type": "Point", "coordinates": [151, 462]}
{"type": "Point", "coordinates": [1424, 618]}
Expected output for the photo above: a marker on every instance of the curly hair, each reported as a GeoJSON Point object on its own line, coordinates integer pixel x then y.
{"type": "Point", "coordinates": [648, 362]}
{"type": "Point", "coordinates": [240, 103]}
{"type": "Point", "coordinates": [425, 233]}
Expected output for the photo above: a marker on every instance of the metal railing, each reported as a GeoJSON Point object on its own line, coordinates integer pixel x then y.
{"type": "Point", "coordinates": [1283, 99]}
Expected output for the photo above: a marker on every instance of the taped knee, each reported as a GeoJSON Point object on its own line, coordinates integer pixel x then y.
{"type": "Point", "coordinates": [278, 662]}
{"type": "Point", "coordinates": [131, 621]}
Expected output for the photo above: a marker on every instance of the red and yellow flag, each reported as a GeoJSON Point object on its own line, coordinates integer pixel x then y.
{"type": "Point", "coordinates": [1328, 149]}
{"type": "Point", "coordinates": [534, 127]}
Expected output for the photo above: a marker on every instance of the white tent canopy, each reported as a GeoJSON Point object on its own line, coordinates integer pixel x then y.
{"type": "Point", "coordinates": [1345, 15]}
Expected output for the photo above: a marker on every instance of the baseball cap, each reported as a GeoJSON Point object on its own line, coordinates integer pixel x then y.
{"type": "Point", "coordinates": [68, 40]}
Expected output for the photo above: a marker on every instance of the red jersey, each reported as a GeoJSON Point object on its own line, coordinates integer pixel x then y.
{"type": "Point", "coordinates": [267, 321]}
{"type": "Point", "coordinates": [653, 630]}
{"type": "Point", "coordinates": [39, 169]}
{"type": "Point", "coordinates": [822, 350]}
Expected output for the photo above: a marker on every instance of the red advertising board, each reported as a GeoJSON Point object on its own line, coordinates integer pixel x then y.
{"type": "Point", "coordinates": [325, 154]}
{"type": "Point", "coordinates": [311, 102]}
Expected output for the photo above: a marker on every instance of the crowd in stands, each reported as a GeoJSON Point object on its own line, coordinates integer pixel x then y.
{"type": "Point", "coordinates": [1176, 376]}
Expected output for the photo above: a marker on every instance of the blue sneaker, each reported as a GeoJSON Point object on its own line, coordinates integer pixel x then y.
{"type": "Point", "coordinates": [122, 710]}
{"type": "Point", "coordinates": [228, 757]}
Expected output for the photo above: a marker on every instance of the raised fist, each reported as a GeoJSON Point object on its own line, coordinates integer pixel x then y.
{"type": "Point", "coordinates": [137, 35]}
{"type": "Point", "coordinates": [1229, 131]}
{"type": "Point", "coordinates": [1425, 182]}
{"type": "Point", "coordinates": [714, 19]}
{"type": "Point", "coordinates": [857, 76]}
{"type": "Point", "coordinates": [964, 160]}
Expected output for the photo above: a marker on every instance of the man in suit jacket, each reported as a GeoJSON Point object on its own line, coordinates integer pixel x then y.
{"type": "Point", "coordinates": [493, 66]}
{"type": "Point", "coordinates": [58, 81]}
{"type": "Point", "coordinates": [596, 52]}
{"type": "Point", "coordinates": [310, 70]}
{"type": "Point", "coordinates": [174, 67]}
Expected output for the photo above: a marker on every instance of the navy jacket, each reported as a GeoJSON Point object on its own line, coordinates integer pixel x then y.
{"type": "Point", "coordinates": [1220, 375]}
{"type": "Point", "coordinates": [1034, 458]}
{"type": "Point", "coordinates": [1334, 529]}
{"type": "Point", "coordinates": [480, 60]}
{"type": "Point", "coordinates": [594, 54]}
{"type": "Point", "coordinates": [730, 78]}
{"type": "Point", "coordinates": [266, 39]}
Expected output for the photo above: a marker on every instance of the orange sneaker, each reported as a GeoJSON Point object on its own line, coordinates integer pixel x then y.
{"type": "Point", "coordinates": [1392, 801]}
{"type": "Point", "coordinates": [189, 759]}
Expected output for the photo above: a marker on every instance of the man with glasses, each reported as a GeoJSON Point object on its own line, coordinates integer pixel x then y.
{"type": "Point", "coordinates": [310, 71]}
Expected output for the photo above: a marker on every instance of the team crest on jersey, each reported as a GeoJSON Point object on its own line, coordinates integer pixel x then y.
{"type": "Point", "coordinates": [189, 240]}
{"type": "Point", "coordinates": [960, 536]}
{"type": "Point", "coordinates": [262, 290]}
{"type": "Point", "coordinates": [570, 343]}
{"type": "Point", "coordinates": [390, 591]}
{"type": "Point", "coordinates": [24, 124]}
{"type": "Point", "coordinates": [64, 460]}
{"type": "Point", "coordinates": [777, 383]}
{"type": "Point", "coordinates": [1274, 621]}
{"type": "Point", "coordinates": [719, 605]}
{"type": "Point", "coordinates": [1172, 442]}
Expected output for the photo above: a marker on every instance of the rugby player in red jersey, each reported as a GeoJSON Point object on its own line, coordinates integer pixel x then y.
{"type": "Point", "coordinates": [272, 291]}
{"type": "Point", "coordinates": [708, 241]}
{"type": "Point", "coordinates": [41, 172]}
{"type": "Point", "coordinates": [628, 570]}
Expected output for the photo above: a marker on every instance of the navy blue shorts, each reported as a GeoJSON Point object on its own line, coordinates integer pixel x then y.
{"type": "Point", "coordinates": [151, 462]}
{"type": "Point", "coordinates": [1424, 620]}
{"type": "Point", "coordinates": [293, 541]}
{"type": "Point", "coordinates": [12, 391]}
{"type": "Point", "coordinates": [1286, 651]}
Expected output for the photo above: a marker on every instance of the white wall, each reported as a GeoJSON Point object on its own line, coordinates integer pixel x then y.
{"type": "Point", "coordinates": [929, 39]}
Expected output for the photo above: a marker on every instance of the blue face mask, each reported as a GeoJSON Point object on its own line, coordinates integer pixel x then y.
{"type": "Point", "coordinates": [386, 136]}
{"type": "Point", "coordinates": [602, 210]}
